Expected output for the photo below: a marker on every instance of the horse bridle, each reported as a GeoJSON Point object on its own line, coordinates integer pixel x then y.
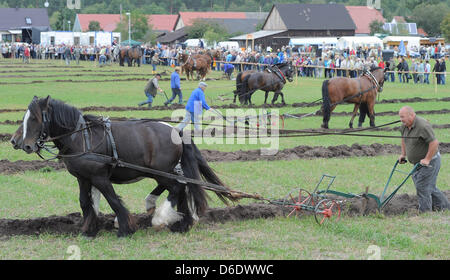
{"type": "Point", "coordinates": [369, 74]}
{"type": "Point", "coordinates": [45, 130]}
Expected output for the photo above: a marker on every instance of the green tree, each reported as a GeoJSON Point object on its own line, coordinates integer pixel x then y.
{"type": "Point", "coordinates": [376, 26]}
{"type": "Point", "coordinates": [139, 26]}
{"type": "Point", "coordinates": [94, 25]}
{"type": "Point", "coordinates": [429, 17]}
{"type": "Point", "coordinates": [199, 27]}
{"type": "Point", "coordinates": [150, 35]}
{"type": "Point", "coordinates": [445, 27]}
{"type": "Point", "coordinates": [63, 18]}
{"type": "Point", "coordinates": [213, 36]}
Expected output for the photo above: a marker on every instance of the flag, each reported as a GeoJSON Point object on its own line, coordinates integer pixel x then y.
{"type": "Point", "coordinates": [402, 49]}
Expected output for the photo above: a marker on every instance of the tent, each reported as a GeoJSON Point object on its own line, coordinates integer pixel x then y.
{"type": "Point", "coordinates": [353, 42]}
{"type": "Point", "coordinates": [409, 41]}
{"type": "Point", "coordinates": [318, 41]}
{"type": "Point", "coordinates": [133, 43]}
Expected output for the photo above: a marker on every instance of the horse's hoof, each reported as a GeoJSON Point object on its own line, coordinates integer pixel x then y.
{"type": "Point", "coordinates": [128, 231]}
{"type": "Point", "coordinates": [179, 227]}
{"type": "Point", "coordinates": [125, 234]}
{"type": "Point", "coordinates": [89, 235]}
{"type": "Point", "coordinates": [159, 227]}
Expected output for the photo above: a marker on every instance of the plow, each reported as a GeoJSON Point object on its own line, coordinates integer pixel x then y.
{"type": "Point", "coordinates": [326, 209]}
{"type": "Point", "coordinates": [318, 202]}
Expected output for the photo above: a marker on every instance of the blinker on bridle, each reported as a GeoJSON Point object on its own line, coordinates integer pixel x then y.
{"type": "Point", "coordinates": [44, 129]}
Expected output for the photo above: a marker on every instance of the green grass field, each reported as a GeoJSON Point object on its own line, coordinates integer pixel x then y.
{"type": "Point", "coordinates": [41, 194]}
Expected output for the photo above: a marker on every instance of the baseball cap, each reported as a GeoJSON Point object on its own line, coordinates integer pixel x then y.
{"type": "Point", "coordinates": [202, 84]}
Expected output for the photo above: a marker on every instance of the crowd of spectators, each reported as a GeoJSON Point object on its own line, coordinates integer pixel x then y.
{"type": "Point", "coordinates": [309, 62]}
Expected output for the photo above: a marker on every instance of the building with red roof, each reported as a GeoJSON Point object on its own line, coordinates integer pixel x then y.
{"type": "Point", "coordinates": [362, 16]}
{"type": "Point", "coordinates": [188, 18]}
{"type": "Point", "coordinates": [108, 22]}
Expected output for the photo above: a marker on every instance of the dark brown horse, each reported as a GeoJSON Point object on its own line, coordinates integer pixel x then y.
{"type": "Point", "coordinates": [191, 63]}
{"type": "Point", "coordinates": [361, 91]}
{"type": "Point", "coordinates": [239, 78]}
{"type": "Point", "coordinates": [133, 54]}
{"type": "Point", "coordinates": [17, 138]}
{"type": "Point", "coordinates": [91, 147]}
{"type": "Point", "coordinates": [273, 79]}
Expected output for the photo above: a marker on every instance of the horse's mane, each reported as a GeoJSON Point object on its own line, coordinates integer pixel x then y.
{"type": "Point", "coordinates": [280, 64]}
{"type": "Point", "coordinates": [63, 115]}
{"type": "Point", "coordinates": [373, 68]}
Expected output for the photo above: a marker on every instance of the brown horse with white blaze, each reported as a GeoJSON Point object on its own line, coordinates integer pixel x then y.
{"type": "Point", "coordinates": [361, 91]}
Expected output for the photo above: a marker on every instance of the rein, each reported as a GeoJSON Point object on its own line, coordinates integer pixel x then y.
{"type": "Point", "coordinates": [87, 145]}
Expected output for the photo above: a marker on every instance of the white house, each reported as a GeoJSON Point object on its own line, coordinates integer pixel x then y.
{"type": "Point", "coordinates": [97, 38]}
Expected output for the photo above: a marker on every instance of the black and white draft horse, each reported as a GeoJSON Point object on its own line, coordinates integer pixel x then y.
{"type": "Point", "coordinates": [154, 145]}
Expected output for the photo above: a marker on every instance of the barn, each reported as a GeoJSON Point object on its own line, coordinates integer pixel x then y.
{"type": "Point", "coordinates": [286, 21]}
{"type": "Point", "coordinates": [310, 20]}
{"type": "Point", "coordinates": [19, 24]}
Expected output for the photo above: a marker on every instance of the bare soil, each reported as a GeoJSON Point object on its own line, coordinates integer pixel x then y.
{"type": "Point", "coordinates": [71, 223]}
{"type": "Point", "coordinates": [232, 105]}
{"type": "Point", "coordinates": [299, 152]}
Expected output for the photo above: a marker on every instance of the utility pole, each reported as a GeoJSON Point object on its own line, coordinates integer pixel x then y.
{"type": "Point", "coordinates": [129, 28]}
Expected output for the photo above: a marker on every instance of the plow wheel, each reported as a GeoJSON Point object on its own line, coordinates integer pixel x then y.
{"type": "Point", "coordinates": [327, 210]}
{"type": "Point", "coordinates": [296, 199]}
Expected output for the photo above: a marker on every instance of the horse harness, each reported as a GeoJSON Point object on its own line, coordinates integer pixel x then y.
{"type": "Point", "coordinates": [361, 92]}
{"type": "Point", "coordinates": [114, 160]}
{"type": "Point", "coordinates": [193, 60]}
{"type": "Point", "coordinates": [82, 126]}
{"type": "Point", "coordinates": [372, 78]}
{"type": "Point", "coordinates": [279, 73]}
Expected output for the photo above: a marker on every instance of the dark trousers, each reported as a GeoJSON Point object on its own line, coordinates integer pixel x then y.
{"type": "Point", "coordinates": [430, 197]}
{"type": "Point", "coordinates": [176, 92]}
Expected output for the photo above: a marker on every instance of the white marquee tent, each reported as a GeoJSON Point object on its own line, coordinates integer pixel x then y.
{"type": "Point", "coordinates": [410, 41]}
{"type": "Point", "coordinates": [353, 42]}
{"type": "Point", "coordinates": [311, 41]}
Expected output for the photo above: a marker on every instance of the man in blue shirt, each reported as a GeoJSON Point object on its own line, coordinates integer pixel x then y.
{"type": "Point", "coordinates": [194, 108]}
{"type": "Point", "coordinates": [228, 57]}
{"type": "Point", "coordinates": [176, 87]}
{"type": "Point", "coordinates": [228, 69]}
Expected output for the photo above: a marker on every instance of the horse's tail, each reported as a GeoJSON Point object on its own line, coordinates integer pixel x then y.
{"type": "Point", "coordinates": [326, 103]}
{"type": "Point", "coordinates": [195, 166]}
